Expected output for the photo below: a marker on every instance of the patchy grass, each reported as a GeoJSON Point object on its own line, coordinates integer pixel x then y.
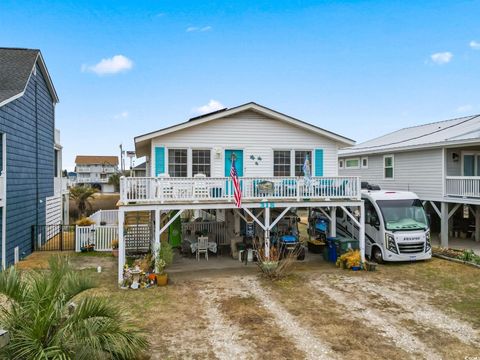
{"type": "Point", "coordinates": [454, 286]}
{"type": "Point", "coordinates": [173, 317]}
{"type": "Point", "coordinates": [259, 327]}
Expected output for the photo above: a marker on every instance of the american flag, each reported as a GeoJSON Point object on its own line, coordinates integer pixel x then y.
{"type": "Point", "coordinates": [237, 192]}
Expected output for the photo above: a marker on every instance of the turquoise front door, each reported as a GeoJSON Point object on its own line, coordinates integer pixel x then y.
{"type": "Point", "coordinates": [238, 161]}
{"type": "Point", "coordinates": [238, 154]}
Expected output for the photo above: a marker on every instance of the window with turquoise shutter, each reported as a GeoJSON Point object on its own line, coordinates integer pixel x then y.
{"type": "Point", "coordinates": [159, 160]}
{"type": "Point", "coordinates": [318, 162]}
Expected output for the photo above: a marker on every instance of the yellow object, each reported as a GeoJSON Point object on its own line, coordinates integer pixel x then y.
{"type": "Point", "coordinates": [351, 258]}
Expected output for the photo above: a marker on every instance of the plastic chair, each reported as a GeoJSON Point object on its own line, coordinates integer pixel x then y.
{"type": "Point", "coordinates": [202, 247]}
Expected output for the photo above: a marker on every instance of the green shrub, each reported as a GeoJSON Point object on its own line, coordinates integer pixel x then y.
{"type": "Point", "coordinates": [166, 253]}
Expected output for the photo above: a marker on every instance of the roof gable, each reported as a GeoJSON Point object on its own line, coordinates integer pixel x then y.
{"type": "Point", "coordinates": [224, 113]}
{"type": "Point", "coordinates": [16, 67]}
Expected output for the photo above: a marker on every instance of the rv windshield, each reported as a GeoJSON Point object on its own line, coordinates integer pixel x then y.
{"type": "Point", "coordinates": [403, 214]}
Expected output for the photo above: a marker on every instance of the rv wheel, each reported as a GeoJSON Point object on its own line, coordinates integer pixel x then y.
{"type": "Point", "coordinates": [377, 255]}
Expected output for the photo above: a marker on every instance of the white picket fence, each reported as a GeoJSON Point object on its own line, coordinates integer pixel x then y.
{"type": "Point", "coordinates": [109, 217]}
{"type": "Point", "coordinates": [100, 236]}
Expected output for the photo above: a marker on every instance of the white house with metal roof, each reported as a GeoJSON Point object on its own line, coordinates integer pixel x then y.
{"type": "Point", "coordinates": [188, 168]}
{"type": "Point", "coordinates": [439, 161]}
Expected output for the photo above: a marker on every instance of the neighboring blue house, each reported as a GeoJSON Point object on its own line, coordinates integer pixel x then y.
{"type": "Point", "coordinates": [30, 159]}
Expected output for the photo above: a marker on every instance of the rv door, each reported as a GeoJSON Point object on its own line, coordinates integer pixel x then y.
{"type": "Point", "coordinates": [372, 227]}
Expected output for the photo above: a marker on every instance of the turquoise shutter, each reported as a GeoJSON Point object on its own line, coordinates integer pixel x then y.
{"type": "Point", "coordinates": [318, 162]}
{"type": "Point", "coordinates": [159, 160]}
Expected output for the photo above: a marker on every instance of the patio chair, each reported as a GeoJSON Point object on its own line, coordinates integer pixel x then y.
{"type": "Point", "coordinates": [202, 247]}
{"type": "Point", "coordinates": [164, 188]}
{"type": "Point", "coordinates": [200, 188]}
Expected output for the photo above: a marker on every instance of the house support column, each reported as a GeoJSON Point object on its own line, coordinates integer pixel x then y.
{"type": "Point", "coordinates": [362, 232]}
{"type": "Point", "coordinates": [121, 244]}
{"type": "Point", "coordinates": [161, 230]}
{"type": "Point", "coordinates": [156, 236]}
{"type": "Point", "coordinates": [477, 223]}
{"type": "Point", "coordinates": [267, 233]}
{"type": "Point", "coordinates": [444, 224]}
{"type": "Point", "coordinates": [333, 221]}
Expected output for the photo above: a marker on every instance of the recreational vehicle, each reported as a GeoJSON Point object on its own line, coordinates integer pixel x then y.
{"type": "Point", "coordinates": [396, 226]}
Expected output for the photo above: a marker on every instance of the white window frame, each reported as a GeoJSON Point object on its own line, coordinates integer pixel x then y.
{"type": "Point", "coordinates": [393, 167]}
{"type": "Point", "coordinates": [365, 158]}
{"type": "Point", "coordinates": [341, 163]}
{"type": "Point", "coordinates": [211, 162]}
{"type": "Point", "coordinates": [352, 167]}
{"type": "Point", "coordinates": [273, 160]}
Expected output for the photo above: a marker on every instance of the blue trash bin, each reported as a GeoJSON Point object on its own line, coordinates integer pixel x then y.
{"type": "Point", "coordinates": [332, 249]}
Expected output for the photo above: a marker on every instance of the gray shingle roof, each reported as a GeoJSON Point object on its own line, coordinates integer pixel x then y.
{"type": "Point", "coordinates": [15, 68]}
{"type": "Point", "coordinates": [464, 129]}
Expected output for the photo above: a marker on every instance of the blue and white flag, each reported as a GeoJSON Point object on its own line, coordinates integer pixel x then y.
{"type": "Point", "coordinates": [307, 172]}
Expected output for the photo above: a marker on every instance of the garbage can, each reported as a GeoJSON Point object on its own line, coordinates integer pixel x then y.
{"type": "Point", "coordinates": [343, 244]}
{"type": "Point", "coordinates": [332, 249]}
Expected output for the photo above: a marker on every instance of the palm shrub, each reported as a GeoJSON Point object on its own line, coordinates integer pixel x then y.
{"type": "Point", "coordinates": [82, 196]}
{"type": "Point", "coordinates": [48, 318]}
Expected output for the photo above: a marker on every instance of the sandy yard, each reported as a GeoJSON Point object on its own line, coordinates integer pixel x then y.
{"type": "Point", "coordinates": [425, 310]}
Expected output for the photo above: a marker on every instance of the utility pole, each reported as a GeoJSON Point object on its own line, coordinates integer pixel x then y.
{"type": "Point", "coordinates": [122, 164]}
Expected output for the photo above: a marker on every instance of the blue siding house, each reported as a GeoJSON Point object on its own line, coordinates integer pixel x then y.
{"type": "Point", "coordinates": [29, 155]}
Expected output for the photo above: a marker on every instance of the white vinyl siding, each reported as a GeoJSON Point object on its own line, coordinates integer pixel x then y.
{"type": "Point", "coordinates": [419, 171]}
{"type": "Point", "coordinates": [258, 136]}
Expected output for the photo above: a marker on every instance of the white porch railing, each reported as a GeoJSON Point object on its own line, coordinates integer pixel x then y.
{"type": "Point", "coordinates": [462, 186]}
{"type": "Point", "coordinates": [108, 217]}
{"type": "Point", "coordinates": [100, 236]}
{"type": "Point", "coordinates": [172, 190]}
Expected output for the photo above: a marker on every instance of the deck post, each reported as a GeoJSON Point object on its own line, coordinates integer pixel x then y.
{"type": "Point", "coordinates": [156, 239]}
{"type": "Point", "coordinates": [333, 221]}
{"type": "Point", "coordinates": [477, 223]}
{"type": "Point", "coordinates": [267, 233]}
{"type": "Point", "coordinates": [444, 225]}
{"type": "Point", "coordinates": [121, 244]}
{"type": "Point", "coordinates": [361, 236]}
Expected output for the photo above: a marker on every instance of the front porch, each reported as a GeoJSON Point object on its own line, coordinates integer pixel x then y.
{"type": "Point", "coordinates": [201, 189]}
{"type": "Point", "coordinates": [262, 215]}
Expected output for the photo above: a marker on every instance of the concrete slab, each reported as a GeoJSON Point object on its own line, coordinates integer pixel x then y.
{"type": "Point", "coordinates": [458, 243]}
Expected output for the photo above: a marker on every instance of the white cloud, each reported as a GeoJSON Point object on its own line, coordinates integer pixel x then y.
{"type": "Point", "coordinates": [213, 105]}
{"type": "Point", "coordinates": [464, 108]}
{"type": "Point", "coordinates": [441, 57]}
{"type": "Point", "coordinates": [475, 45]}
{"type": "Point", "coordinates": [198, 29]}
{"type": "Point", "coordinates": [122, 115]}
{"type": "Point", "coordinates": [113, 65]}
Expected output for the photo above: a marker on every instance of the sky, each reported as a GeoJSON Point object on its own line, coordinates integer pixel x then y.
{"type": "Point", "coordinates": [358, 68]}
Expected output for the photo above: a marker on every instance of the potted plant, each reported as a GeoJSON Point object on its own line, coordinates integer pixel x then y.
{"type": "Point", "coordinates": [160, 274]}
{"type": "Point", "coordinates": [163, 259]}
{"type": "Point", "coordinates": [115, 248]}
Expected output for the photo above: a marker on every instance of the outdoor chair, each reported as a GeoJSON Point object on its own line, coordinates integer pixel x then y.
{"type": "Point", "coordinates": [202, 247]}
{"type": "Point", "coordinates": [164, 188]}
{"type": "Point", "coordinates": [200, 188]}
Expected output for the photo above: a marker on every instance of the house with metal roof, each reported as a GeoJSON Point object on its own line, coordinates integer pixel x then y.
{"type": "Point", "coordinates": [32, 190]}
{"type": "Point", "coordinates": [438, 161]}
{"type": "Point", "coordinates": [282, 164]}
